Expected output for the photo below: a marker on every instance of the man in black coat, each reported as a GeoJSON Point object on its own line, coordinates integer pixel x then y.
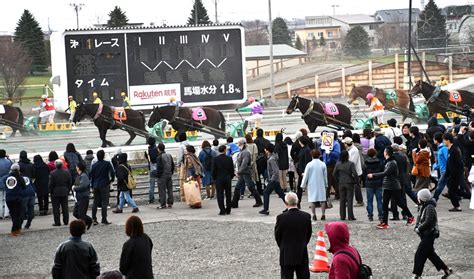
{"type": "Point", "coordinates": [222, 173]}
{"type": "Point", "coordinates": [60, 183]}
{"type": "Point", "coordinates": [261, 143]}
{"type": "Point", "coordinates": [454, 171]}
{"type": "Point", "coordinates": [292, 233]}
{"type": "Point", "coordinates": [76, 258]}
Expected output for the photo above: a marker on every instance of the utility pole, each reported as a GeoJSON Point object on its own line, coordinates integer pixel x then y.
{"type": "Point", "coordinates": [215, 8]}
{"type": "Point", "coordinates": [77, 8]}
{"type": "Point", "coordinates": [334, 9]}
{"type": "Point", "coordinates": [409, 44]}
{"type": "Point", "coordinates": [195, 13]}
{"type": "Point", "coordinates": [272, 78]}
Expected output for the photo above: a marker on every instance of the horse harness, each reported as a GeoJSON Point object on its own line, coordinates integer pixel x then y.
{"type": "Point", "coordinates": [311, 111]}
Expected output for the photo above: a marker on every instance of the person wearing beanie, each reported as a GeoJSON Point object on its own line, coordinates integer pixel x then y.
{"type": "Point", "coordinates": [427, 228]}
{"type": "Point", "coordinates": [15, 184]}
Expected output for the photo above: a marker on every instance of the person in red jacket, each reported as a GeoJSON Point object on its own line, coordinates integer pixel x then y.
{"type": "Point", "coordinates": [342, 266]}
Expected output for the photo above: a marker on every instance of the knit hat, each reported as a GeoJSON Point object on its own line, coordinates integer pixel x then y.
{"type": "Point", "coordinates": [15, 167]}
{"type": "Point", "coordinates": [241, 142]}
{"type": "Point", "coordinates": [424, 195]}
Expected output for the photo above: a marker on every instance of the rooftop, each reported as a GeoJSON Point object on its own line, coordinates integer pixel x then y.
{"type": "Point", "coordinates": [281, 51]}
{"type": "Point", "coordinates": [396, 15]}
{"type": "Point", "coordinates": [355, 19]}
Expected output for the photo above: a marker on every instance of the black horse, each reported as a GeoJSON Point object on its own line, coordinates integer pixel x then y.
{"type": "Point", "coordinates": [12, 117]}
{"type": "Point", "coordinates": [215, 119]}
{"type": "Point", "coordinates": [104, 120]}
{"type": "Point", "coordinates": [313, 120]}
{"type": "Point", "coordinates": [442, 102]}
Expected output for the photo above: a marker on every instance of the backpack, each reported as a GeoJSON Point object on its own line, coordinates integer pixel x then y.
{"type": "Point", "coordinates": [208, 161]}
{"type": "Point", "coordinates": [365, 272]}
{"type": "Point", "coordinates": [131, 182]}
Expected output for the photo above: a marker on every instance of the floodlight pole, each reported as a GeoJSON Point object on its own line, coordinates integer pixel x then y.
{"type": "Point", "coordinates": [77, 8]}
{"type": "Point", "coordinates": [195, 13]}
{"type": "Point", "coordinates": [272, 78]}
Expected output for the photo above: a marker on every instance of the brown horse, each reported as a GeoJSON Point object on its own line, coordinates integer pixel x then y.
{"type": "Point", "coordinates": [441, 103]}
{"type": "Point", "coordinates": [104, 121]}
{"type": "Point", "coordinates": [313, 120]}
{"type": "Point", "coordinates": [403, 99]}
{"type": "Point", "coordinates": [215, 118]}
{"type": "Point", "coordinates": [12, 115]}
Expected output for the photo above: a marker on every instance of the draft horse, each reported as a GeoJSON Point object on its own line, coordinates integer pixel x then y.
{"type": "Point", "coordinates": [442, 103]}
{"type": "Point", "coordinates": [313, 120]}
{"type": "Point", "coordinates": [215, 119]}
{"type": "Point", "coordinates": [403, 100]}
{"type": "Point", "coordinates": [104, 120]}
{"type": "Point", "coordinates": [13, 117]}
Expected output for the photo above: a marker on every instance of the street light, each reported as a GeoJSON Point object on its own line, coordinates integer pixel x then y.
{"type": "Point", "coordinates": [334, 9]}
{"type": "Point", "coordinates": [77, 8]}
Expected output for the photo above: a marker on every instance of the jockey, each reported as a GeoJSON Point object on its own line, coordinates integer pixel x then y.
{"type": "Point", "coordinates": [376, 108]}
{"type": "Point", "coordinates": [71, 108]}
{"type": "Point", "coordinates": [173, 102]}
{"type": "Point", "coordinates": [126, 101]}
{"type": "Point", "coordinates": [256, 109]}
{"type": "Point", "coordinates": [97, 100]}
{"type": "Point", "coordinates": [47, 110]}
{"type": "Point", "coordinates": [443, 81]}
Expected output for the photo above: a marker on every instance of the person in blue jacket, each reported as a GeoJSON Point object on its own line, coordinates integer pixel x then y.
{"type": "Point", "coordinates": [330, 159]}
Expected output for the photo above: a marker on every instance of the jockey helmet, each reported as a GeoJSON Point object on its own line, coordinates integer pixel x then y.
{"type": "Point", "coordinates": [70, 97]}
{"type": "Point", "coordinates": [370, 96]}
{"type": "Point", "coordinates": [172, 99]}
{"type": "Point", "coordinates": [94, 94]}
{"type": "Point", "coordinates": [123, 94]}
{"type": "Point", "coordinates": [44, 97]}
{"type": "Point", "coordinates": [251, 99]}
{"type": "Point", "coordinates": [9, 102]}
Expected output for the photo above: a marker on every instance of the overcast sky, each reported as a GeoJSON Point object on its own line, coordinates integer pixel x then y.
{"type": "Point", "coordinates": [175, 12]}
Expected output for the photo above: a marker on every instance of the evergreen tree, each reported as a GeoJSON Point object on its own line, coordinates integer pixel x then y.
{"type": "Point", "coordinates": [356, 42]}
{"type": "Point", "coordinates": [322, 41]}
{"type": "Point", "coordinates": [29, 34]}
{"type": "Point", "coordinates": [431, 27]}
{"type": "Point", "coordinates": [117, 18]}
{"type": "Point", "coordinates": [280, 32]}
{"type": "Point", "coordinates": [202, 17]}
{"type": "Point", "coordinates": [298, 43]}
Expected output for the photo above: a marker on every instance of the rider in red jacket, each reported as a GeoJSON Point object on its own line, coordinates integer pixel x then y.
{"type": "Point", "coordinates": [342, 266]}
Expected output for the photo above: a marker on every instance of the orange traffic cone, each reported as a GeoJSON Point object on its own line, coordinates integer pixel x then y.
{"type": "Point", "coordinates": [320, 261]}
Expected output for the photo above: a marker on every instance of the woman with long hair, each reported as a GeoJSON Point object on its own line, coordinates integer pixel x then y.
{"type": "Point", "coordinates": [41, 178]}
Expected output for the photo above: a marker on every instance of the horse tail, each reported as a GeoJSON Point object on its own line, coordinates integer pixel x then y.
{"type": "Point", "coordinates": [143, 119]}
{"type": "Point", "coordinates": [411, 105]}
{"type": "Point", "coordinates": [222, 121]}
{"type": "Point", "coordinates": [21, 118]}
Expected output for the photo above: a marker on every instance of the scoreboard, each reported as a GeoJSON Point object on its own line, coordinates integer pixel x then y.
{"type": "Point", "coordinates": [201, 65]}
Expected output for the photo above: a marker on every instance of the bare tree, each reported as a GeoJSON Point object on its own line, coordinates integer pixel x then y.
{"type": "Point", "coordinates": [392, 35]}
{"type": "Point", "coordinates": [15, 64]}
{"type": "Point", "coordinates": [256, 32]}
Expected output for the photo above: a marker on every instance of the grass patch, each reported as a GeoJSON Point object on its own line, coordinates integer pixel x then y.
{"type": "Point", "coordinates": [37, 80]}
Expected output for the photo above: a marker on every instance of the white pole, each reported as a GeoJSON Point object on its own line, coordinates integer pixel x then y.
{"type": "Point", "coordinates": [272, 78]}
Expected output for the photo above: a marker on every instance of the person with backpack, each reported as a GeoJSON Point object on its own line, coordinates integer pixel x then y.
{"type": "Point", "coordinates": [122, 173]}
{"type": "Point", "coordinates": [346, 260]}
{"type": "Point", "coordinates": [205, 157]}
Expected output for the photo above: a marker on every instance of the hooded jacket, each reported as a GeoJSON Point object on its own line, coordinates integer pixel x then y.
{"type": "Point", "coordinates": [342, 266]}
{"type": "Point", "coordinates": [122, 172]}
{"type": "Point", "coordinates": [422, 162]}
